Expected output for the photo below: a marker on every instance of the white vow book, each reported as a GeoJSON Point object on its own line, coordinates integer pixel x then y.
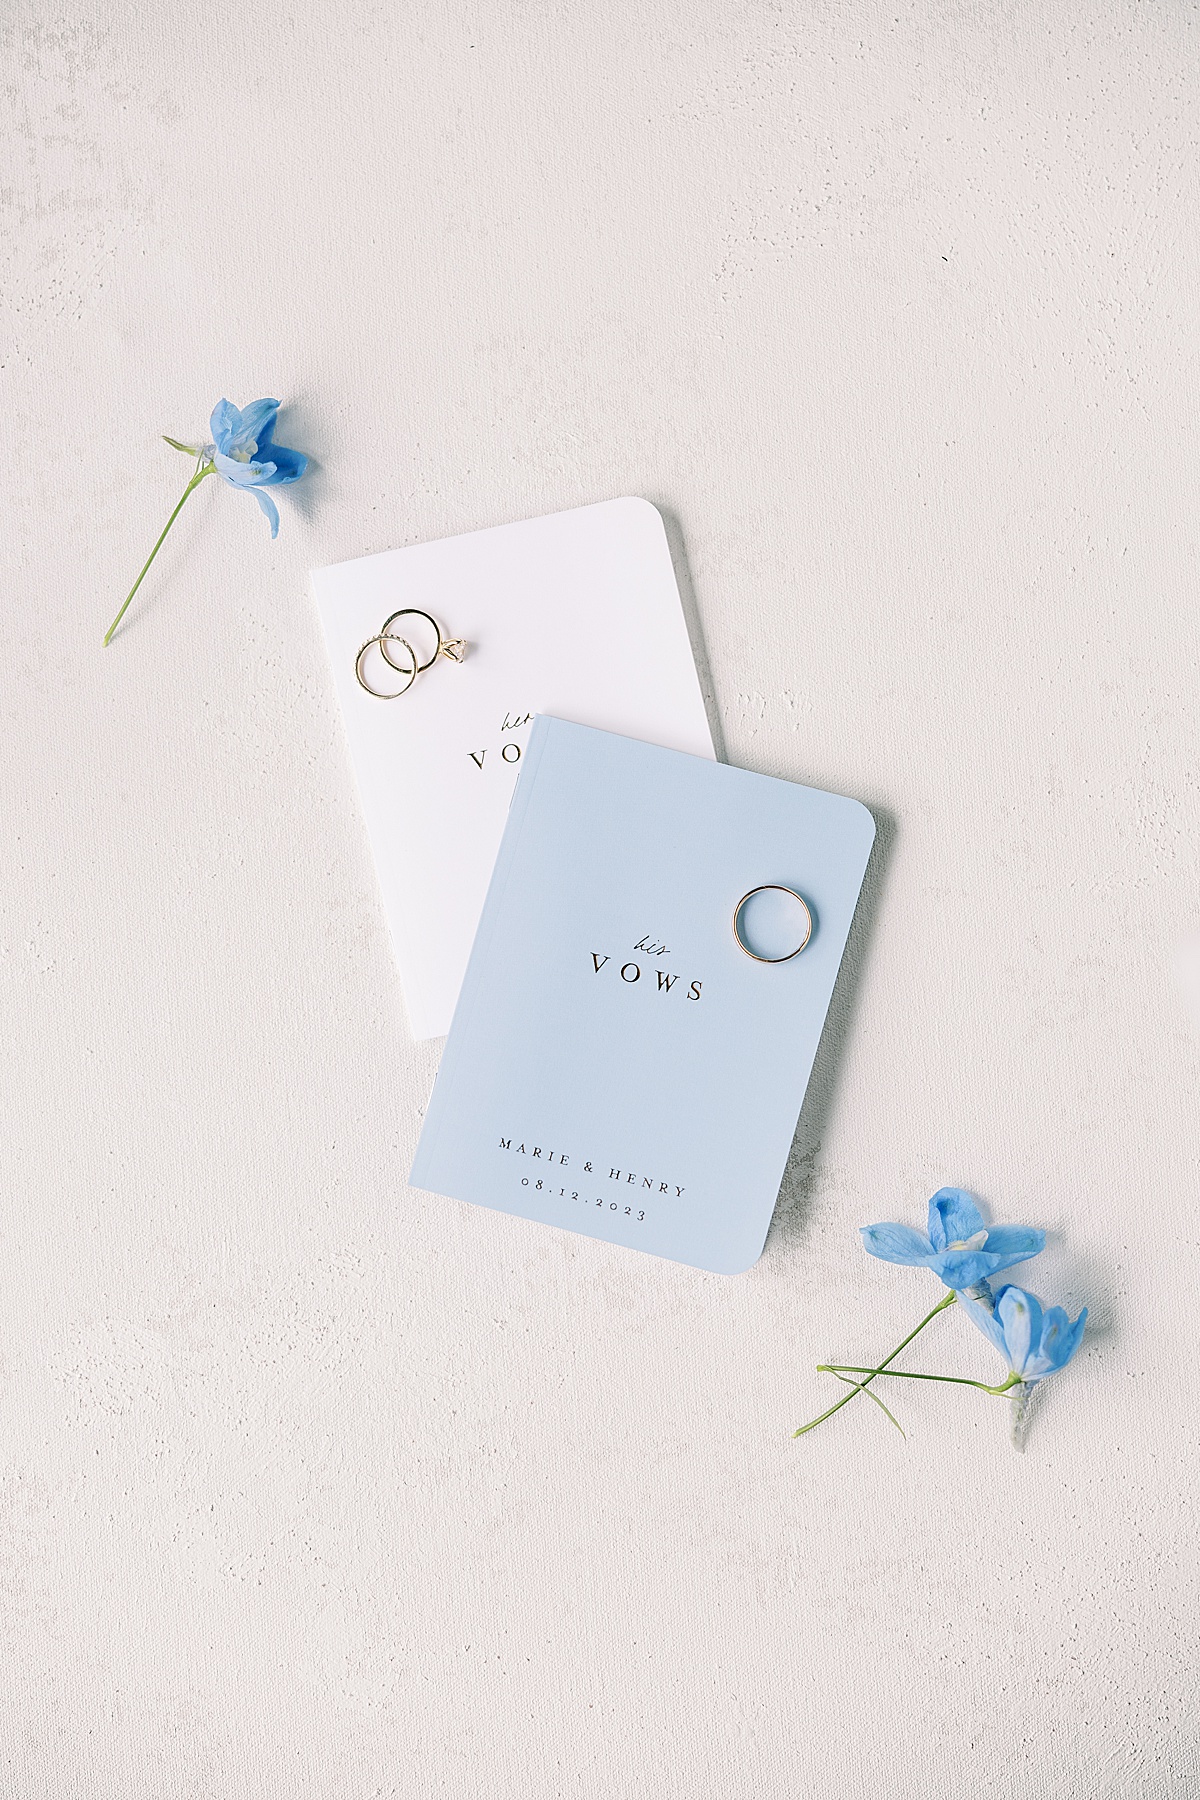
{"type": "Point", "coordinates": [576, 615]}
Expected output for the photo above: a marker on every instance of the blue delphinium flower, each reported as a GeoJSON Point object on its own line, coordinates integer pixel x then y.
{"type": "Point", "coordinates": [1035, 1342]}
{"type": "Point", "coordinates": [963, 1252]}
{"type": "Point", "coordinates": [243, 452]}
{"type": "Point", "coordinates": [959, 1248]}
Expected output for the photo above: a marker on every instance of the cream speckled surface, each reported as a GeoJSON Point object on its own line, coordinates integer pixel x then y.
{"type": "Point", "coordinates": [313, 1487]}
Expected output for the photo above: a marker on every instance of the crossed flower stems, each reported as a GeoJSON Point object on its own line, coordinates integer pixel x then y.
{"type": "Point", "coordinates": [844, 1371]}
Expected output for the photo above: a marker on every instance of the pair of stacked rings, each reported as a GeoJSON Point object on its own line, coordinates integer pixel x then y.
{"type": "Point", "coordinates": [453, 649]}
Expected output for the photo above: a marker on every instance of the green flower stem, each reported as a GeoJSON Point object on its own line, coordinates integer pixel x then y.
{"type": "Point", "coordinates": [908, 1375]}
{"type": "Point", "coordinates": [859, 1386]}
{"type": "Point", "coordinates": [872, 1395]}
{"type": "Point", "coordinates": [197, 478]}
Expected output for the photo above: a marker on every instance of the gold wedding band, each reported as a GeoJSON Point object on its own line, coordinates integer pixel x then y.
{"type": "Point", "coordinates": [412, 672]}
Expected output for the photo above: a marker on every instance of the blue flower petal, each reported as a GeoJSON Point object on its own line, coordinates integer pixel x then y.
{"type": "Point", "coordinates": [986, 1320]}
{"type": "Point", "coordinates": [269, 507]}
{"type": "Point", "coordinates": [257, 424]}
{"type": "Point", "coordinates": [1043, 1359]}
{"type": "Point", "coordinates": [953, 1216]}
{"type": "Point", "coordinates": [225, 421]}
{"type": "Point", "coordinates": [896, 1243]}
{"type": "Point", "coordinates": [1005, 1259]}
{"type": "Point", "coordinates": [1015, 1242]}
{"type": "Point", "coordinates": [289, 464]}
{"type": "Point", "coordinates": [235, 430]}
{"type": "Point", "coordinates": [244, 475]}
{"type": "Point", "coordinates": [1058, 1344]}
{"type": "Point", "coordinates": [1071, 1339]}
{"type": "Point", "coordinates": [963, 1268]}
{"type": "Point", "coordinates": [1021, 1316]}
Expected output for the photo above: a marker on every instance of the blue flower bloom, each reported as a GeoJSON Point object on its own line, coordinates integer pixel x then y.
{"type": "Point", "coordinates": [1036, 1343]}
{"type": "Point", "coordinates": [244, 453]}
{"type": "Point", "coordinates": [960, 1249]}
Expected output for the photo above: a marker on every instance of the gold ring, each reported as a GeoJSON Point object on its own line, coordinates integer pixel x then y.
{"type": "Point", "coordinates": [410, 672]}
{"type": "Point", "coordinates": [771, 887]}
{"type": "Point", "coordinates": [453, 649]}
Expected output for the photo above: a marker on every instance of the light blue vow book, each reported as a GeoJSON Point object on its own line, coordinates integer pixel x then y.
{"type": "Point", "coordinates": [618, 1064]}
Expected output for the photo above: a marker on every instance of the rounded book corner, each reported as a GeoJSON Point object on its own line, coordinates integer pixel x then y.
{"type": "Point", "coordinates": [638, 503]}
{"type": "Point", "coordinates": [872, 824]}
{"type": "Point", "coordinates": [739, 1267]}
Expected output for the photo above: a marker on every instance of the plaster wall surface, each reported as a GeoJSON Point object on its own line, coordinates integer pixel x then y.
{"type": "Point", "coordinates": [314, 1486]}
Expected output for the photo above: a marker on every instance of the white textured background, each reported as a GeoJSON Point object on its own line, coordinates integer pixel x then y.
{"type": "Point", "coordinates": [313, 1487]}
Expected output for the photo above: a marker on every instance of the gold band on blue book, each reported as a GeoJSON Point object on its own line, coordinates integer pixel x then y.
{"type": "Point", "coordinates": [773, 887]}
{"type": "Point", "coordinates": [453, 649]}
